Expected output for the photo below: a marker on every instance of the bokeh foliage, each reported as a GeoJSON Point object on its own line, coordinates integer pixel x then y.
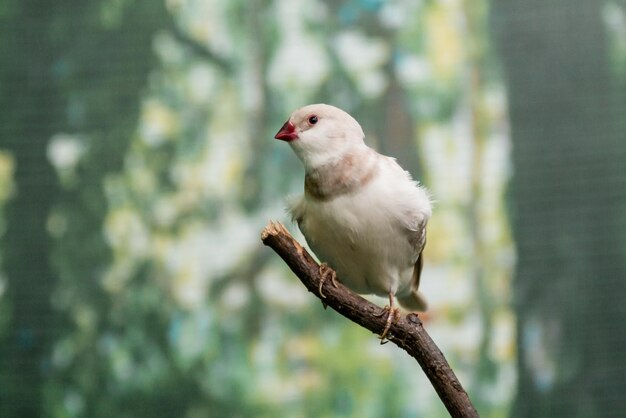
{"type": "Point", "coordinates": [137, 168]}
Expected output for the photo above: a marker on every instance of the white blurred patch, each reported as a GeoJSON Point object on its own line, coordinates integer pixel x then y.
{"type": "Point", "coordinates": [185, 264]}
{"type": "Point", "coordinates": [393, 15]}
{"type": "Point", "coordinates": [413, 70]}
{"type": "Point", "coordinates": [359, 53]}
{"type": "Point", "coordinates": [200, 253]}
{"type": "Point", "coordinates": [201, 83]}
{"type": "Point", "coordinates": [158, 123]}
{"type": "Point", "coordinates": [208, 23]}
{"type": "Point", "coordinates": [615, 18]}
{"type": "Point", "coordinates": [538, 336]}
{"type": "Point", "coordinates": [168, 49]}
{"type": "Point", "coordinates": [396, 14]}
{"type": "Point", "coordinates": [236, 296]}
{"type": "Point", "coordinates": [300, 62]}
{"type": "Point", "coordinates": [126, 232]}
{"type": "Point", "coordinates": [372, 84]}
{"type": "Point", "coordinates": [275, 289]}
{"type": "Point", "coordinates": [462, 337]}
{"type": "Point", "coordinates": [364, 58]}
{"type": "Point", "coordinates": [65, 150]}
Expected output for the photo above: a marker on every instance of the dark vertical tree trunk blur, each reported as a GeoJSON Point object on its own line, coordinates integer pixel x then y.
{"type": "Point", "coordinates": [398, 132]}
{"type": "Point", "coordinates": [568, 205]}
{"type": "Point", "coordinates": [30, 106]}
{"type": "Point", "coordinates": [55, 53]}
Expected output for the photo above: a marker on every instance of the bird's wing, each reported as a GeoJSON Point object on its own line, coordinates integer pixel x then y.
{"type": "Point", "coordinates": [419, 263]}
{"type": "Point", "coordinates": [413, 299]}
{"type": "Point", "coordinates": [412, 218]}
{"type": "Point", "coordinates": [417, 240]}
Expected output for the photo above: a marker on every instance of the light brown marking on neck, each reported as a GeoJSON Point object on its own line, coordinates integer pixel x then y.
{"type": "Point", "coordinates": [343, 176]}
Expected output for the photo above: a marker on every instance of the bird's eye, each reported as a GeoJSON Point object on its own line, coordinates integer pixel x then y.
{"type": "Point", "coordinates": [313, 120]}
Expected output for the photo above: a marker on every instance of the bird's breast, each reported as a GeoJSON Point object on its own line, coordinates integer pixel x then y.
{"type": "Point", "coordinates": [359, 236]}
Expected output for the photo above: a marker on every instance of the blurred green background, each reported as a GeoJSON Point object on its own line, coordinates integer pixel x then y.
{"type": "Point", "coordinates": [137, 169]}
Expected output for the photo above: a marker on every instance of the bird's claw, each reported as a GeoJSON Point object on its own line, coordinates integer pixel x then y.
{"type": "Point", "coordinates": [326, 272]}
{"type": "Point", "coordinates": [393, 315]}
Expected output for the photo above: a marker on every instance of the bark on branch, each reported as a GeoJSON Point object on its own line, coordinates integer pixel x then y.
{"type": "Point", "coordinates": [407, 333]}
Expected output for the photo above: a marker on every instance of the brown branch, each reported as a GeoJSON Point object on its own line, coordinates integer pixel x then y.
{"type": "Point", "coordinates": [407, 333]}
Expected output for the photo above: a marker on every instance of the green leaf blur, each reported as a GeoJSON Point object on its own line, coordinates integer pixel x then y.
{"type": "Point", "coordinates": [138, 167]}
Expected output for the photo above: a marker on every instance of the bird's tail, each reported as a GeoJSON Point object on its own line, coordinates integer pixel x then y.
{"type": "Point", "coordinates": [413, 301]}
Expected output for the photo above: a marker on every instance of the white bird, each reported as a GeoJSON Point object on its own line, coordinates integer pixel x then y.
{"type": "Point", "coordinates": [361, 212]}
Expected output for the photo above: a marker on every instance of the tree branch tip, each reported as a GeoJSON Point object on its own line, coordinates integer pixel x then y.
{"type": "Point", "coordinates": [407, 333]}
{"type": "Point", "coordinates": [272, 229]}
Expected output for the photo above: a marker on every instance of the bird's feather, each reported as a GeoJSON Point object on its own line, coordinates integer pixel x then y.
{"type": "Point", "coordinates": [361, 212]}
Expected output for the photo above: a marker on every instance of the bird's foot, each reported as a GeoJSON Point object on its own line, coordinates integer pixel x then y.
{"type": "Point", "coordinates": [325, 273]}
{"type": "Point", "coordinates": [393, 315]}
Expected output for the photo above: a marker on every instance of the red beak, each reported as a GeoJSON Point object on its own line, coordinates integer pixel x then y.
{"type": "Point", "coordinates": [287, 132]}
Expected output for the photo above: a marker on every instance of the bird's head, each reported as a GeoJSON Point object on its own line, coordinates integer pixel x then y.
{"type": "Point", "coordinates": [320, 133]}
